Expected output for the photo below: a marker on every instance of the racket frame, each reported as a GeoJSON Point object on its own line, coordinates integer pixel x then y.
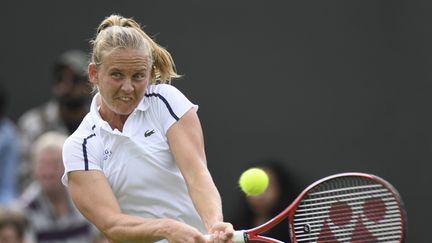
{"type": "Point", "coordinates": [252, 235]}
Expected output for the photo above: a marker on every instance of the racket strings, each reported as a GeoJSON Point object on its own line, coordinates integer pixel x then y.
{"type": "Point", "coordinates": [348, 209]}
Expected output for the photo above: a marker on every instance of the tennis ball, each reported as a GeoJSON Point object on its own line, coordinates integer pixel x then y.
{"type": "Point", "coordinates": [253, 181]}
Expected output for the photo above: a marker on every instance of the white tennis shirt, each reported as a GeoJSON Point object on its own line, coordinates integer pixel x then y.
{"type": "Point", "coordinates": [137, 162]}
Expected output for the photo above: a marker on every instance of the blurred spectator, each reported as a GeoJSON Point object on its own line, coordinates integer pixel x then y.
{"type": "Point", "coordinates": [12, 226]}
{"type": "Point", "coordinates": [256, 210]}
{"type": "Point", "coordinates": [49, 210]}
{"type": "Point", "coordinates": [9, 154]}
{"type": "Point", "coordinates": [63, 113]}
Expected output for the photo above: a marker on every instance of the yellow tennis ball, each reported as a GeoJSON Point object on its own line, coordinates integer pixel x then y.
{"type": "Point", "coordinates": [253, 181]}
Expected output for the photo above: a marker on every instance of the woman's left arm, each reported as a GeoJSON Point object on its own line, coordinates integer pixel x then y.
{"type": "Point", "coordinates": [186, 141]}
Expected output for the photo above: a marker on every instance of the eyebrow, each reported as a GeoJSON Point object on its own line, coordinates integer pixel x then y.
{"type": "Point", "coordinates": [135, 70]}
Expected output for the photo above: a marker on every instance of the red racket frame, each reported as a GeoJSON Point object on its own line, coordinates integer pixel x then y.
{"type": "Point", "coordinates": [252, 235]}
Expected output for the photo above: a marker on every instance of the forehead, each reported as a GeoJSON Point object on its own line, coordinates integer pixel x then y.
{"type": "Point", "coordinates": [48, 154]}
{"type": "Point", "coordinates": [127, 58]}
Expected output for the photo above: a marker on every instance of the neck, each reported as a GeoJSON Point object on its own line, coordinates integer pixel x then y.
{"type": "Point", "coordinates": [116, 121]}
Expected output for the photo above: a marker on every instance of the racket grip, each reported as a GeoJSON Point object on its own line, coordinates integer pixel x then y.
{"type": "Point", "coordinates": [238, 237]}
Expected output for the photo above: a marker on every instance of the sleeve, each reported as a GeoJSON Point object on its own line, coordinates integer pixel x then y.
{"type": "Point", "coordinates": [81, 154]}
{"type": "Point", "coordinates": [174, 105]}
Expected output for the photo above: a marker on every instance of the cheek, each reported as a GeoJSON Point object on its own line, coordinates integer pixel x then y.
{"type": "Point", "coordinates": [101, 79]}
{"type": "Point", "coordinates": [106, 86]}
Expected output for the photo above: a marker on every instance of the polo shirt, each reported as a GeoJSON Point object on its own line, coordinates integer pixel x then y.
{"type": "Point", "coordinates": [137, 161]}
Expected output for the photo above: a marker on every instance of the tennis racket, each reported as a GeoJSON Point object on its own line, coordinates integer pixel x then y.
{"type": "Point", "coordinates": [346, 207]}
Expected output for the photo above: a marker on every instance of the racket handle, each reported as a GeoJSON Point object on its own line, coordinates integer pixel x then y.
{"type": "Point", "coordinates": [238, 237]}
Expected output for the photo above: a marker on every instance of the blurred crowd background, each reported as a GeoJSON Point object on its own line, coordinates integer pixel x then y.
{"type": "Point", "coordinates": [320, 87]}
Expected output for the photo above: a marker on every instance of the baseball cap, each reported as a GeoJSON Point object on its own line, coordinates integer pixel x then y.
{"type": "Point", "coordinates": [77, 60]}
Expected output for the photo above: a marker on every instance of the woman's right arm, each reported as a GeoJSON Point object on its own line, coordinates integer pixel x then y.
{"type": "Point", "coordinates": [93, 196]}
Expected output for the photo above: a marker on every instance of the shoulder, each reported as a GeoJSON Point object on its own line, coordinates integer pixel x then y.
{"type": "Point", "coordinates": [167, 102]}
{"type": "Point", "coordinates": [9, 137]}
{"type": "Point", "coordinates": [161, 89]}
{"type": "Point", "coordinates": [82, 149]}
{"type": "Point", "coordinates": [7, 128]}
{"type": "Point", "coordinates": [164, 96]}
{"type": "Point", "coordinates": [82, 134]}
{"type": "Point", "coordinates": [165, 92]}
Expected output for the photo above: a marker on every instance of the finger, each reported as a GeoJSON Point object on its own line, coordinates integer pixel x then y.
{"type": "Point", "coordinates": [209, 238]}
{"type": "Point", "coordinates": [203, 239]}
{"type": "Point", "coordinates": [221, 237]}
{"type": "Point", "coordinates": [229, 231]}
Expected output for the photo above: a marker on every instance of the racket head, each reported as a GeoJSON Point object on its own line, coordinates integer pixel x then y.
{"type": "Point", "coordinates": [348, 207]}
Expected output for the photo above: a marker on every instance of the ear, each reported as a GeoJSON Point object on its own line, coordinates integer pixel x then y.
{"type": "Point", "coordinates": [92, 71]}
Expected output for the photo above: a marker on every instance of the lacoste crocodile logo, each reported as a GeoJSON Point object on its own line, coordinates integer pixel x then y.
{"type": "Point", "coordinates": [149, 133]}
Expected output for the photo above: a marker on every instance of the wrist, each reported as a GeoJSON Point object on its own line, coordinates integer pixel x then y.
{"type": "Point", "coordinates": [210, 224]}
{"type": "Point", "coordinates": [166, 227]}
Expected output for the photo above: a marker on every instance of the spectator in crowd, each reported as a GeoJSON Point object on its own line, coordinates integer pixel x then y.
{"type": "Point", "coordinates": [62, 113]}
{"type": "Point", "coordinates": [256, 210]}
{"type": "Point", "coordinates": [49, 210]}
{"type": "Point", "coordinates": [12, 226]}
{"type": "Point", "coordinates": [9, 154]}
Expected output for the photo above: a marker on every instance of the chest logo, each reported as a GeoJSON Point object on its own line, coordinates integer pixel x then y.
{"type": "Point", "coordinates": [149, 133]}
{"type": "Point", "coordinates": [107, 154]}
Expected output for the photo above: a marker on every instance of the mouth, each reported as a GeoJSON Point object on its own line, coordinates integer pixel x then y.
{"type": "Point", "coordinates": [125, 99]}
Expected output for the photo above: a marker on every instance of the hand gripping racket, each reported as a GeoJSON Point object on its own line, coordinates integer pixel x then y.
{"type": "Point", "coordinates": [346, 207]}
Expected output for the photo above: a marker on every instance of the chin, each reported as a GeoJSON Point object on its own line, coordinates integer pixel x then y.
{"type": "Point", "coordinates": [124, 112]}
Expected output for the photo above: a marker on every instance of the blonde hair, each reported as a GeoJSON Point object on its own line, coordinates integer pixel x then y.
{"type": "Point", "coordinates": [48, 140]}
{"type": "Point", "coordinates": [116, 32]}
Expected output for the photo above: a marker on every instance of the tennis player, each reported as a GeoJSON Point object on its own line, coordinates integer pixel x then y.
{"type": "Point", "coordinates": [136, 166]}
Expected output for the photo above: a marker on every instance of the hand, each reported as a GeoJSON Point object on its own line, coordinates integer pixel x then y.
{"type": "Point", "coordinates": [221, 232]}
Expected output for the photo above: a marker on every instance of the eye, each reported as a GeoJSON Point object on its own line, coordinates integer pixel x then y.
{"type": "Point", "coordinates": [139, 76]}
{"type": "Point", "coordinates": [116, 75]}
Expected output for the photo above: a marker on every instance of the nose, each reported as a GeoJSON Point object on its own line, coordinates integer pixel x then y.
{"type": "Point", "coordinates": [127, 86]}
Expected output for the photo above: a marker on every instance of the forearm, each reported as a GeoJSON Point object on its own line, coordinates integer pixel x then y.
{"type": "Point", "coordinates": [102, 209]}
{"type": "Point", "coordinates": [187, 145]}
{"type": "Point", "coordinates": [126, 228]}
{"type": "Point", "coordinates": [206, 199]}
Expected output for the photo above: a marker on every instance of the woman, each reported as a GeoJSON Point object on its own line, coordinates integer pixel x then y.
{"type": "Point", "coordinates": [136, 166]}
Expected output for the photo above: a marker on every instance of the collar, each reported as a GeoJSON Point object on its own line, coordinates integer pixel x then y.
{"type": "Point", "coordinates": [100, 122]}
{"type": "Point", "coordinates": [144, 104]}
{"type": "Point", "coordinates": [94, 112]}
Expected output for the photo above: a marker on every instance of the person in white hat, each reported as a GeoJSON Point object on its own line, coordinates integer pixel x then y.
{"type": "Point", "coordinates": [62, 113]}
